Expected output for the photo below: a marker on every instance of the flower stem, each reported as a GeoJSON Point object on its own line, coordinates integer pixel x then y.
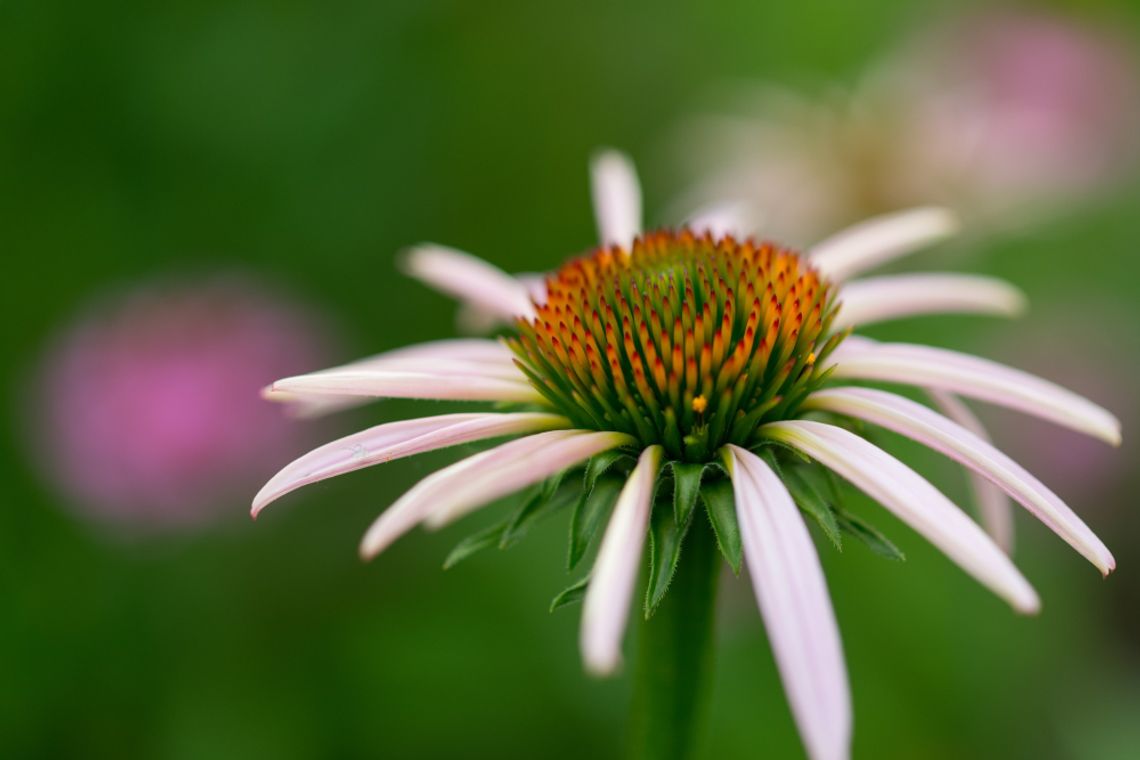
{"type": "Point", "coordinates": [675, 655]}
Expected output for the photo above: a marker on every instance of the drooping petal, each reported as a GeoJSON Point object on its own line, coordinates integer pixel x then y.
{"type": "Point", "coordinates": [974, 377]}
{"type": "Point", "coordinates": [878, 299]}
{"type": "Point", "coordinates": [484, 477]}
{"type": "Point", "coordinates": [378, 383]}
{"type": "Point", "coordinates": [932, 429]}
{"type": "Point", "coordinates": [606, 606]}
{"type": "Point", "coordinates": [993, 504]}
{"type": "Point", "coordinates": [394, 440]}
{"type": "Point", "coordinates": [881, 239]}
{"type": "Point", "coordinates": [469, 279]}
{"type": "Point", "coordinates": [913, 500]}
{"type": "Point", "coordinates": [792, 593]}
{"type": "Point", "coordinates": [617, 198]}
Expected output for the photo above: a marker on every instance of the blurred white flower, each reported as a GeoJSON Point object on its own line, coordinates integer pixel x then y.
{"type": "Point", "coordinates": [999, 114]}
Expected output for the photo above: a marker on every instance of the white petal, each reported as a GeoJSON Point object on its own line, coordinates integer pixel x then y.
{"type": "Point", "coordinates": [456, 386]}
{"type": "Point", "coordinates": [476, 350]}
{"type": "Point", "coordinates": [736, 218]}
{"type": "Point", "coordinates": [792, 594]}
{"type": "Point", "coordinates": [932, 429]}
{"type": "Point", "coordinates": [974, 377]}
{"type": "Point", "coordinates": [478, 356]}
{"type": "Point", "coordinates": [606, 606]}
{"type": "Point", "coordinates": [480, 479]}
{"type": "Point", "coordinates": [994, 505]}
{"type": "Point", "coordinates": [913, 500]}
{"type": "Point", "coordinates": [469, 279]}
{"type": "Point", "coordinates": [881, 239]}
{"type": "Point", "coordinates": [394, 440]}
{"type": "Point", "coordinates": [535, 284]}
{"type": "Point", "coordinates": [878, 299]}
{"type": "Point", "coordinates": [617, 198]}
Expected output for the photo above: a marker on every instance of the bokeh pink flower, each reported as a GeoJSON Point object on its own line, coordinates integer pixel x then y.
{"type": "Point", "coordinates": [146, 412]}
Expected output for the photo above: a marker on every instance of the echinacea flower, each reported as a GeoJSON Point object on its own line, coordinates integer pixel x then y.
{"type": "Point", "coordinates": [682, 367]}
{"type": "Point", "coordinates": [141, 415]}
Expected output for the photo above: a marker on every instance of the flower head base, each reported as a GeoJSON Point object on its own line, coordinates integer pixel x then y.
{"type": "Point", "coordinates": [685, 340]}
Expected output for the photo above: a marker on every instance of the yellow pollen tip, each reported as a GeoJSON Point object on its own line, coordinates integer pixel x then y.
{"type": "Point", "coordinates": [700, 404]}
{"type": "Point", "coordinates": [811, 358]}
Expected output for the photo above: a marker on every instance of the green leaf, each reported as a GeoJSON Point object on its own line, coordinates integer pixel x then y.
{"type": "Point", "coordinates": [812, 502]}
{"type": "Point", "coordinates": [591, 509]}
{"type": "Point", "coordinates": [571, 595]}
{"type": "Point", "coordinates": [686, 489]}
{"type": "Point", "coordinates": [475, 543]}
{"type": "Point", "coordinates": [721, 508]}
{"type": "Point", "coordinates": [869, 535]}
{"type": "Point", "coordinates": [666, 536]}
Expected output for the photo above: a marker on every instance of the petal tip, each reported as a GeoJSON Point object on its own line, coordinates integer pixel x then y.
{"type": "Point", "coordinates": [1028, 603]}
{"type": "Point", "coordinates": [942, 219]}
{"type": "Point", "coordinates": [601, 666]}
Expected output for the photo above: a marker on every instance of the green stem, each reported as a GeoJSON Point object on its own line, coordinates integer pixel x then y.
{"type": "Point", "coordinates": [675, 655]}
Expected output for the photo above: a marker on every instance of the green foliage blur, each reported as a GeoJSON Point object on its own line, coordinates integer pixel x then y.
{"type": "Point", "coordinates": [309, 142]}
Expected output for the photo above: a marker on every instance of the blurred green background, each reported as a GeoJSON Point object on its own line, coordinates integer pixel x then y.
{"type": "Point", "coordinates": [309, 142]}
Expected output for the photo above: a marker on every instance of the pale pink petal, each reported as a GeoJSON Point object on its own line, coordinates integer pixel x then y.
{"type": "Point", "coordinates": [469, 279]}
{"type": "Point", "coordinates": [394, 440]}
{"type": "Point", "coordinates": [932, 429]}
{"type": "Point", "coordinates": [456, 386]}
{"type": "Point", "coordinates": [792, 593]}
{"type": "Point", "coordinates": [606, 606]}
{"type": "Point", "coordinates": [879, 299]}
{"type": "Point", "coordinates": [480, 479]}
{"type": "Point", "coordinates": [913, 500]}
{"type": "Point", "coordinates": [617, 198]}
{"type": "Point", "coordinates": [993, 504]}
{"type": "Point", "coordinates": [881, 239]}
{"type": "Point", "coordinates": [974, 377]}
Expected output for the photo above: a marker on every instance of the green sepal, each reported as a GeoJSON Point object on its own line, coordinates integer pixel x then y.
{"type": "Point", "coordinates": [826, 484]}
{"type": "Point", "coordinates": [686, 489]}
{"type": "Point", "coordinates": [812, 502]}
{"type": "Point", "coordinates": [476, 543]}
{"type": "Point", "coordinates": [666, 537]}
{"type": "Point", "coordinates": [545, 500]}
{"type": "Point", "coordinates": [592, 507]}
{"type": "Point", "coordinates": [855, 526]}
{"type": "Point", "coordinates": [571, 595]}
{"type": "Point", "coordinates": [600, 464]}
{"type": "Point", "coordinates": [720, 504]}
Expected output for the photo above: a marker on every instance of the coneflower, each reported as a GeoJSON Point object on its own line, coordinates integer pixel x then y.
{"type": "Point", "coordinates": [683, 371]}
